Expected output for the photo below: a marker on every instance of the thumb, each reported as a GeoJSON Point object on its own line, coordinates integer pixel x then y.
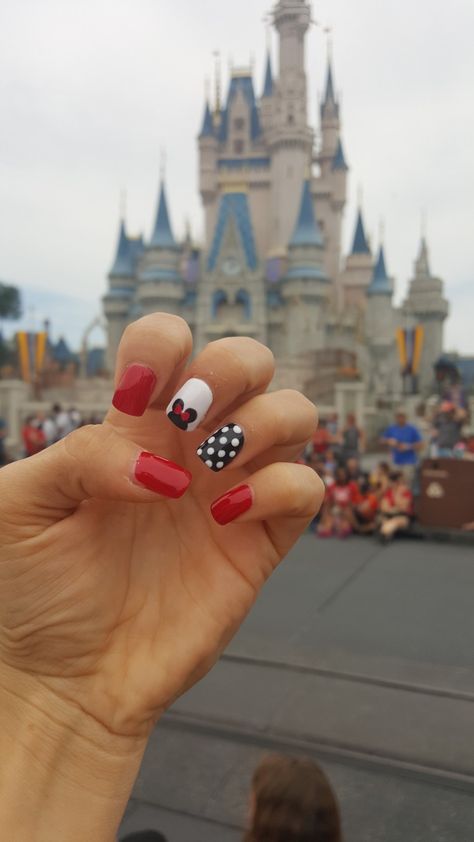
{"type": "Point", "coordinates": [94, 462]}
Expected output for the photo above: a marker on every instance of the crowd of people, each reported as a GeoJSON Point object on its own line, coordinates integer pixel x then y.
{"type": "Point", "coordinates": [43, 429]}
{"type": "Point", "coordinates": [381, 500]}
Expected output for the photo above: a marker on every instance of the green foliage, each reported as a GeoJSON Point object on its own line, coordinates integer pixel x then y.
{"type": "Point", "coordinates": [10, 302]}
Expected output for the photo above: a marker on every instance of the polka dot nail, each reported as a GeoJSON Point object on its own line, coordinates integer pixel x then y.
{"type": "Point", "coordinates": [222, 447]}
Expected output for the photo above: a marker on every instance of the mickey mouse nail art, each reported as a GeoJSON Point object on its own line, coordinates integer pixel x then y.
{"type": "Point", "coordinates": [222, 447]}
{"type": "Point", "coordinates": [189, 406]}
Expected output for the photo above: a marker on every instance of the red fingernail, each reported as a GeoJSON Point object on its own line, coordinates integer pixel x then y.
{"type": "Point", "coordinates": [161, 475]}
{"type": "Point", "coordinates": [228, 507]}
{"type": "Point", "coordinates": [135, 389]}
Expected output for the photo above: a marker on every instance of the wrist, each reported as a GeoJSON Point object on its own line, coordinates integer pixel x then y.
{"type": "Point", "coordinates": [63, 774]}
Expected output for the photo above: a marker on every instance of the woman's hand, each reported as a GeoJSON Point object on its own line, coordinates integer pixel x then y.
{"type": "Point", "coordinates": [115, 599]}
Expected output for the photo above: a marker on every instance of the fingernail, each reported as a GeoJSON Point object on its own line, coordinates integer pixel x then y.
{"type": "Point", "coordinates": [135, 389]}
{"type": "Point", "coordinates": [189, 406]}
{"type": "Point", "coordinates": [161, 475]}
{"type": "Point", "coordinates": [228, 507]}
{"type": "Point", "coordinates": [222, 447]}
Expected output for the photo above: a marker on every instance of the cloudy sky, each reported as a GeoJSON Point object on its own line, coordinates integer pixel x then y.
{"type": "Point", "coordinates": [91, 90]}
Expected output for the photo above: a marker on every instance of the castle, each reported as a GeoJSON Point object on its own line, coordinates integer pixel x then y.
{"type": "Point", "coordinates": [273, 193]}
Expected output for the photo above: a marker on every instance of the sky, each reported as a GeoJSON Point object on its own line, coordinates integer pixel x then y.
{"type": "Point", "coordinates": [91, 91]}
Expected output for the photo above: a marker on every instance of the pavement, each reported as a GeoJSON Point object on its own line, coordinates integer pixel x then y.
{"type": "Point", "coordinates": [357, 655]}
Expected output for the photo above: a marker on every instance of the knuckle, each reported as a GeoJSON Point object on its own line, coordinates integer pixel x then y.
{"type": "Point", "coordinates": [305, 491]}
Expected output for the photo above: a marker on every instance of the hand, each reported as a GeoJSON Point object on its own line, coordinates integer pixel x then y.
{"type": "Point", "coordinates": [117, 599]}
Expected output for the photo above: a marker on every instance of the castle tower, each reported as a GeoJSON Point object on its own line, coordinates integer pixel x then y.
{"type": "Point", "coordinates": [330, 190]}
{"type": "Point", "coordinates": [231, 295]}
{"type": "Point", "coordinates": [305, 287]}
{"type": "Point", "coordinates": [208, 170]}
{"type": "Point", "coordinates": [266, 101]}
{"type": "Point", "coordinates": [122, 288]}
{"type": "Point", "coordinates": [380, 331]}
{"type": "Point", "coordinates": [160, 283]}
{"type": "Point", "coordinates": [425, 305]}
{"type": "Point", "coordinates": [358, 269]}
{"type": "Point", "coordinates": [290, 139]}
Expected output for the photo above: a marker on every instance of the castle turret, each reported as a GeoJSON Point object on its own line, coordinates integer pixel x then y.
{"type": "Point", "coordinates": [290, 139]}
{"type": "Point", "coordinates": [160, 283]}
{"type": "Point", "coordinates": [305, 287]}
{"type": "Point", "coordinates": [425, 305]}
{"type": "Point", "coordinates": [380, 330]}
{"type": "Point", "coordinates": [358, 269]}
{"type": "Point", "coordinates": [208, 169]}
{"type": "Point", "coordinates": [122, 287]}
{"type": "Point", "coordinates": [266, 101]}
{"type": "Point", "coordinates": [330, 189]}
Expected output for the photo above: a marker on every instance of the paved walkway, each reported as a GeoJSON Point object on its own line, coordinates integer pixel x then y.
{"type": "Point", "coordinates": [358, 655]}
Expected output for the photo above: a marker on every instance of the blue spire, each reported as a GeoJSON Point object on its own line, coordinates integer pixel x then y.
{"type": "Point", "coordinates": [307, 231]}
{"type": "Point", "coordinates": [268, 86]}
{"type": "Point", "coordinates": [380, 283]}
{"type": "Point", "coordinates": [330, 95]}
{"type": "Point", "coordinates": [162, 236]}
{"type": "Point", "coordinates": [339, 161]}
{"type": "Point", "coordinates": [207, 129]}
{"type": "Point", "coordinates": [122, 263]}
{"type": "Point", "coordinates": [360, 244]}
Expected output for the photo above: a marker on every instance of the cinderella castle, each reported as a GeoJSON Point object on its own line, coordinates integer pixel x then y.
{"type": "Point", "coordinates": [271, 266]}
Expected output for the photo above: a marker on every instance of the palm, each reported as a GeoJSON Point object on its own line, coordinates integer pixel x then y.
{"type": "Point", "coordinates": [105, 607]}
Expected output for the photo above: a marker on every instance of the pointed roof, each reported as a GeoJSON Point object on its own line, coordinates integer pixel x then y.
{"type": "Point", "coordinates": [268, 84]}
{"type": "Point", "coordinates": [162, 236]}
{"type": "Point", "coordinates": [234, 206]}
{"type": "Point", "coordinates": [360, 244]}
{"type": "Point", "coordinates": [207, 129]}
{"type": "Point", "coordinates": [339, 160]}
{"type": "Point", "coordinates": [329, 95]}
{"type": "Point", "coordinates": [241, 82]}
{"type": "Point", "coordinates": [380, 283]}
{"type": "Point", "coordinates": [129, 250]}
{"type": "Point", "coordinates": [307, 231]}
{"type": "Point", "coordinates": [422, 264]}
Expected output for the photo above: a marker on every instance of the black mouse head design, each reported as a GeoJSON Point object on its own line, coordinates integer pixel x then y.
{"type": "Point", "coordinates": [180, 416]}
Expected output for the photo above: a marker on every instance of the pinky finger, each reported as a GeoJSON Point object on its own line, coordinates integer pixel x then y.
{"type": "Point", "coordinates": [283, 495]}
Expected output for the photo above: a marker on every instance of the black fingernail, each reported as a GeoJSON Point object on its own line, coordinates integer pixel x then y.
{"type": "Point", "coordinates": [222, 447]}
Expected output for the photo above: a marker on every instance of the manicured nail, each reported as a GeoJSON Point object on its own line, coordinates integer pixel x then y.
{"type": "Point", "coordinates": [189, 406]}
{"type": "Point", "coordinates": [135, 389]}
{"type": "Point", "coordinates": [228, 507]}
{"type": "Point", "coordinates": [161, 475]}
{"type": "Point", "coordinates": [222, 447]}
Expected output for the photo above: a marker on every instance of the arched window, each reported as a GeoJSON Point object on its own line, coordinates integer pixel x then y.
{"type": "Point", "coordinates": [219, 297]}
{"type": "Point", "coordinates": [243, 298]}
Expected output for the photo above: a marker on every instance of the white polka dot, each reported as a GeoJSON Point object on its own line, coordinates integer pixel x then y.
{"type": "Point", "coordinates": [235, 442]}
{"type": "Point", "coordinates": [223, 440]}
{"type": "Point", "coordinates": [221, 453]}
{"type": "Point", "coordinates": [232, 454]}
{"type": "Point", "coordinates": [225, 430]}
{"type": "Point", "coordinates": [211, 451]}
{"type": "Point", "coordinates": [211, 440]}
{"type": "Point", "coordinates": [220, 465]}
{"type": "Point", "coordinates": [237, 429]}
{"type": "Point", "coordinates": [209, 463]}
{"type": "Point", "coordinates": [199, 451]}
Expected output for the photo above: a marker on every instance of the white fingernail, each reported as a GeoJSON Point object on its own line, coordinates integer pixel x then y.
{"type": "Point", "coordinates": [190, 405]}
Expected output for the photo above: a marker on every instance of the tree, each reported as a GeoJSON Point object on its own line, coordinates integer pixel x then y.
{"type": "Point", "coordinates": [10, 302]}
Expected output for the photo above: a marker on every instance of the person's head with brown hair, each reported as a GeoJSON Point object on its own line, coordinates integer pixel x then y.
{"type": "Point", "coordinates": [292, 801]}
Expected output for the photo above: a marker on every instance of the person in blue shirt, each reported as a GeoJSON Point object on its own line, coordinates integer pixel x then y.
{"type": "Point", "coordinates": [404, 440]}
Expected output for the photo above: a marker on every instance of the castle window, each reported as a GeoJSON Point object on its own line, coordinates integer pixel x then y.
{"type": "Point", "coordinates": [291, 119]}
{"type": "Point", "coordinates": [243, 298]}
{"type": "Point", "coordinates": [238, 147]}
{"type": "Point", "coordinates": [239, 124]}
{"type": "Point", "coordinates": [218, 299]}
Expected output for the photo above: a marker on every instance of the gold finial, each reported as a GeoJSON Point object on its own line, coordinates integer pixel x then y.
{"type": "Point", "coordinates": [360, 195]}
{"type": "Point", "coordinates": [207, 89]}
{"type": "Point", "coordinates": [381, 230]}
{"type": "Point", "coordinates": [424, 223]}
{"type": "Point", "coordinates": [123, 204]}
{"type": "Point", "coordinates": [328, 32]}
{"type": "Point", "coordinates": [217, 59]}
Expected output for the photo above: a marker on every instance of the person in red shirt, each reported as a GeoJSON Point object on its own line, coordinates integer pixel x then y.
{"type": "Point", "coordinates": [33, 436]}
{"type": "Point", "coordinates": [337, 515]}
{"type": "Point", "coordinates": [396, 507]}
{"type": "Point", "coordinates": [321, 439]}
{"type": "Point", "coordinates": [365, 507]}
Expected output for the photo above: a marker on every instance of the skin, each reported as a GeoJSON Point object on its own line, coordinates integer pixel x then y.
{"type": "Point", "coordinates": [113, 600]}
